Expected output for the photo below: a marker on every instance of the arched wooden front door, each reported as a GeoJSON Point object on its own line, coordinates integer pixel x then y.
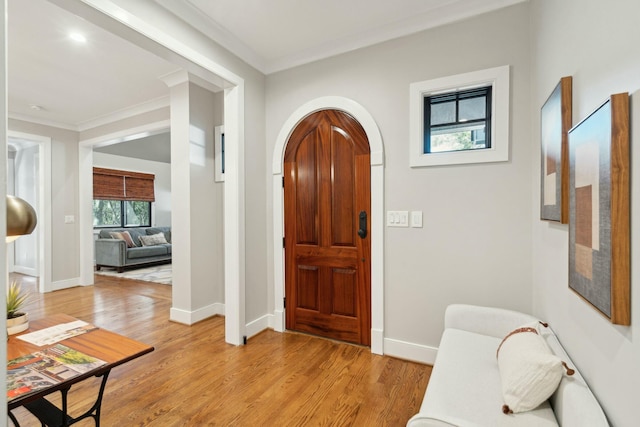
{"type": "Point", "coordinates": [327, 199]}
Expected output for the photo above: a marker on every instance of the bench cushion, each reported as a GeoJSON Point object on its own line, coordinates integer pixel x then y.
{"type": "Point", "coordinates": [464, 388]}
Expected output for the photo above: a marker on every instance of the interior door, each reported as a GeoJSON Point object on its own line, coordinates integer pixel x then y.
{"type": "Point", "coordinates": [327, 193]}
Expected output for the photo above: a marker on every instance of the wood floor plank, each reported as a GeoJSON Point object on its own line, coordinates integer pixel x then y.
{"type": "Point", "coordinates": [194, 378]}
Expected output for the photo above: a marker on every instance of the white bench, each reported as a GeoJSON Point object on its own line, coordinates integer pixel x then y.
{"type": "Point", "coordinates": [465, 387]}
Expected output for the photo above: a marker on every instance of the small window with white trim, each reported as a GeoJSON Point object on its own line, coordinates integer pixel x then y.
{"type": "Point", "coordinates": [460, 119]}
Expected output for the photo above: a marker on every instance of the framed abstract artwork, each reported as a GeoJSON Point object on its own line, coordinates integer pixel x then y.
{"type": "Point", "coordinates": [599, 224]}
{"type": "Point", "coordinates": [555, 122]}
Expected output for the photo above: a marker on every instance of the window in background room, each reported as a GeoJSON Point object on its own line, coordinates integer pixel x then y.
{"type": "Point", "coordinates": [122, 198]}
{"type": "Point", "coordinates": [121, 213]}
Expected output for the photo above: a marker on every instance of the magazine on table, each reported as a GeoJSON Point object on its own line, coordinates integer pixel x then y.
{"type": "Point", "coordinates": [46, 368]}
{"type": "Point", "coordinates": [57, 333]}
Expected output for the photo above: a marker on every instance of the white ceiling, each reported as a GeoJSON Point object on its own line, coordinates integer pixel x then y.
{"type": "Point", "coordinates": [278, 34]}
{"type": "Point", "coordinates": [78, 86]}
{"type": "Point", "coordinates": [74, 83]}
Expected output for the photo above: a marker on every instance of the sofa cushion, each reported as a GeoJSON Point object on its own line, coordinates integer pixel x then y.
{"type": "Point", "coordinates": [124, 235]}
{"type": "Point", "coordinates": [134, 232]}
{"type": "Point", "coordinates": [165, 230]}
{"type": "Point", "coordinates": [529, 371]}
{"type": "Point", "coordinates": [154, 239]}
{"type": "Point", "coordinates": [464, 388]}
{"type": "Point", "coordinates": [147, 251]}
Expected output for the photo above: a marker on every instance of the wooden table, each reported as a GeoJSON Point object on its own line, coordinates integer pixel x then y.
{"type": "Point", "coordinates": [108, 346]}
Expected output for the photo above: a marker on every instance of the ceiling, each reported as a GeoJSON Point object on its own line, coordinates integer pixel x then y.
{"type": "Point", "coordinates": [55, 80]}
{"type": "Point", "coordinates": [279, 34]}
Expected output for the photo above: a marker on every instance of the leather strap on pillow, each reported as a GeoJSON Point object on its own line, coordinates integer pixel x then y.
{"type": "Point", "coordinates": [516, 331]}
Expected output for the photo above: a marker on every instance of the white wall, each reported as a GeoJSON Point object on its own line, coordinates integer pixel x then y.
{"type": "Point", "coordinates": [595, 42]}
{"type": "Point", "coordinates": [475, 246]}
{"type": "Point", "coordinates": [161, 215]}
{"type": "Point", "coordinates": [206, 240]}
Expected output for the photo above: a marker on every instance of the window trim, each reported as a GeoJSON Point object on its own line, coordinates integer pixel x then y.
{"type": "Point", "coordinates": [498, 79]}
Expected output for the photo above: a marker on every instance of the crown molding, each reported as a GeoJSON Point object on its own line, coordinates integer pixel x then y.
{"type": "Point", "coordinates": [194, 16]}
{"type": "Point", "coordinates": [41, 121]}
{"type": "Point", "coordinates": [125, 113]}
{"type": "Point", "coordinates": [448, 13]}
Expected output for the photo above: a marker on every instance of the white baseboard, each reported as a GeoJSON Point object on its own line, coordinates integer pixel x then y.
{"type": "Point", "coordinates": [259, 325]}
{"type": "Point", "coordinates": [64, 284]}
{"type": "Point", "coordinates": [191, 317]}
{"type": "Point", "coordinates": [29, 271]}
{"type": "Point", "coordinates": [410, 351]}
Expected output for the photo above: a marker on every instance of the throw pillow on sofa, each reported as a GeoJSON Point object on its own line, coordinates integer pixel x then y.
{"type": "Point", "coordinates": [123, 235]}
{"type": "Point", "coordinates": [154, 239]}
{"type": "Point", "coordinates": [529, 371]}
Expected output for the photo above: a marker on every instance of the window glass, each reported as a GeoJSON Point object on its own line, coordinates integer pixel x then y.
{"type": "Point", "coordinates": [457, 121]}
{"type": "Point", "coordinates": [136, 214]}
{"type": "Point", "coordinates": [473, 109]}
{"type": "Point", "coordinates": [106, 213]}
{"type": "Point", "coordinates": [120, 213]}
{"type": "Point", "coordinates": [222, 148]}
{"type": "Point", "coordinates": [457, 138]}
{"type": "Point", "coordinates": [443, 112]}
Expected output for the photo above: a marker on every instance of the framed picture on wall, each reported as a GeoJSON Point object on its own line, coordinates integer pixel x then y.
{"type": "Point", "coordinates": [599, 256]}
{"type": "Point", "coordinates": [555, 122]}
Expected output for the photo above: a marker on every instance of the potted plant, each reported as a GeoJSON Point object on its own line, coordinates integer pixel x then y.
{"type": "Point", "coordinates": [17, 321]}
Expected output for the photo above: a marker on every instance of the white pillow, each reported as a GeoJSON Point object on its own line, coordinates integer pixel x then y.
{"type": "Point", "coordinates": [154, 239]}
{"type": "Point", "coordinates": [529, 371]}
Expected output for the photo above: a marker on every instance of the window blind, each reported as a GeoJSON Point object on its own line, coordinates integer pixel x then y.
{"type": "Point", "coordinates": [112, 184]}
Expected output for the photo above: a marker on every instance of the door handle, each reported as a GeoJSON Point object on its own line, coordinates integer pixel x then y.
{"type": "Point", "coordinates": [362, 231]}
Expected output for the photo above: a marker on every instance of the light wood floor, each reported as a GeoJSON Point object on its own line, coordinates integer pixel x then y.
{"type": "Point", "coordinates": [193, 378]}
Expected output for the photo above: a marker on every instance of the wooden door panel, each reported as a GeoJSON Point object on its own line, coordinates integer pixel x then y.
{"type": "Point", "coordinates": [342, 190]}
{"type": "Point", "coordinates": [307, 191]}
{"type": "Point", "coordinates": [344, 286]}
{"type": "Point", "coordinates": [307, 287]}
{"type": "Point", "coordinates": [327, 265]}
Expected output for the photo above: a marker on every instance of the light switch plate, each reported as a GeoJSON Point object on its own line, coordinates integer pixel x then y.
{"type": "Point", "coordinates": [416, 219]}
{"type": "Point", "coordinates": [397, 218]}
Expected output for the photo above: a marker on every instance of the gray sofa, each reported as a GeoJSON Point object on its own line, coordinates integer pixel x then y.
{"type": "Point", "coordinates": [114, 253]}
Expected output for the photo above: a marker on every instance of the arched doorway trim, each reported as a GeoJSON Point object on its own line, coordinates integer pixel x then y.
{"type": "Point", "coordinates": [377, 209]}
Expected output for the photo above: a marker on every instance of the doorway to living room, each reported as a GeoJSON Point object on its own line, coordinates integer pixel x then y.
{"type": "Point", "coordinates": [157, 41]}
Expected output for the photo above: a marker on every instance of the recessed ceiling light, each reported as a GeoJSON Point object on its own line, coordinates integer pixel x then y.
{"type": "Point", "coordinates": [36, 107]}
{"type": "Point", "coordinates": [78, 37]}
